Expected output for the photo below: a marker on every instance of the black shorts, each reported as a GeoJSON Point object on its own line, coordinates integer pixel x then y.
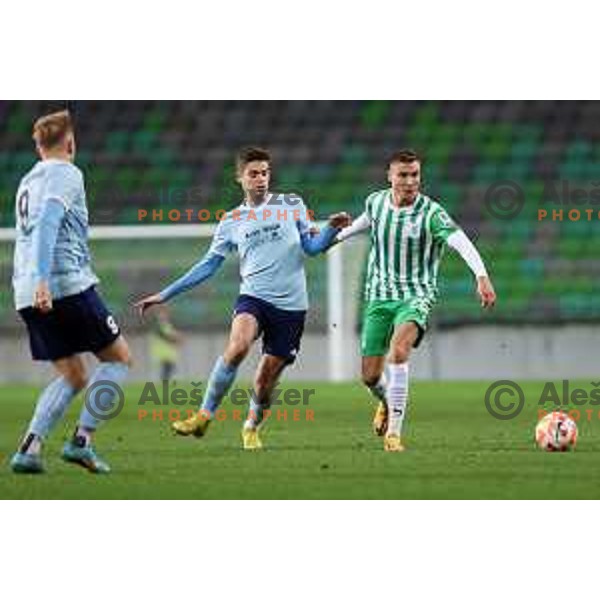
{"type": "Point", "coordinates": [281, 330]}
{"type": "Point", "coordinates": [76, 324]}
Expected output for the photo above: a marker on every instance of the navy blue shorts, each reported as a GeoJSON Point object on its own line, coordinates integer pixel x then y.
{"type": "Point", "coordinates": [281, 330]}
{"type": "Point", "coordinates": [78, 323]}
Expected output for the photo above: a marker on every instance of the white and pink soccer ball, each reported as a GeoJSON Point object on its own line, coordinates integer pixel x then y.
{"type": "Point", "coordinates": [556, 432]}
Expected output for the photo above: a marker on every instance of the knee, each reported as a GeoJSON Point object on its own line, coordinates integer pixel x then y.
{"type": "Point", "coordinates": [400, 352]}
{"type": "Point", "coordinates": [236, 352]}
{"type": "Point", "coordinates": [124, 357]}
{"type": "Point", "coordinates": [77, 378]}
{"type": "Point", "coordinates": [119, 353]}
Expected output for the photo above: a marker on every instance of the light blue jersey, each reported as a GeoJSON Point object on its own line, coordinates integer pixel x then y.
{"type": "Point", "coordinates": [268, 241]}
{"type": "Point", "coordinates": [70, 271]}
{"type": "Point", "coordinates": [271, 240]}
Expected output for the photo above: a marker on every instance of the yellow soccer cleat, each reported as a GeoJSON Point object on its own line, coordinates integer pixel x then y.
{"type": "Point", "coordinates": [380, 420]}
{"type": "Point", "coordinates": [392, 443]}
{"type": "Point", "coordinates": [251, 439]}
{"type": "Point", "coordinates": [196, 425]}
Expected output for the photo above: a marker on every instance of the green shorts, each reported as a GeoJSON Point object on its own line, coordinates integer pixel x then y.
{"type": "Point", "coordinates": [380, 317]}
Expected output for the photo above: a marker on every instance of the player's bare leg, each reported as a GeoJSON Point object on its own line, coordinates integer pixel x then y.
{"type": "Point", "coordinates": [244, 331]}
{"type": "Point", "coordinates": [104, 387]}
{"type": "Point", "coordinates": [265, 380]}
{"type": "Point", "coordinates": [51, 407]}
{"type": "Point", "coordinates": [402, 342]}
{"type": "Point", "coordinates": [374, 378]}
{"type": "Point", "coordinates": [73, 369]}
{"type": "Point", "coordinates": [118, 351]}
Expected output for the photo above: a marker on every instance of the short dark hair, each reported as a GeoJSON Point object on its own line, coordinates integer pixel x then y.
{"type": "Point", "coordinates": [250, 154]}
{"type": "Point", "coordinates": [404, 156]}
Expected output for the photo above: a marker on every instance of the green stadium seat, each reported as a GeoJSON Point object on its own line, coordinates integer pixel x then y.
{"type": "Point", "coordinates": [154, 121]}
{"type": "Point", "coordinates": [21, 162]}
{"type": "Point", "coordinates": [427, 116]}
{"type": "Point", "coordinates": [374, 113]}
{"type": "Point", "coordinates": [19, 123]}
{"type": "Point", "coordinates": [162, 156]}
{"type": "Point", "coordinates": [520, 231]}
{"type": "Point", "coordinates": [348, 173]}
{"type": "Point", "coordinates": [354, 156]}
{"type": "Point", "coordinates": [532, 267]}
{"type": "Point", "coordinates": [496, 149]}
{"type": "Point", "coordinates": [439, 154]}
{"type": "Point", "coordinates": [517, 170]}
{"type": "Point", "coordinates": [486, 173]}
{"type": "Point", "coordinates": [524, 150]}
{"type": "Point", "coordinates": [118, 142]}
{"type": "Point", "coordinates": [144, 141]}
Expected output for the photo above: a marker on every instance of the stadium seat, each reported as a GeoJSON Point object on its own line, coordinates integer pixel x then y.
{"type": "Point", "coordinates": [334, 154]}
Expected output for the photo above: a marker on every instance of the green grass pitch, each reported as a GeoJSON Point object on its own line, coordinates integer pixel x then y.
{"type": "Point", "coordinates": [455, 450]}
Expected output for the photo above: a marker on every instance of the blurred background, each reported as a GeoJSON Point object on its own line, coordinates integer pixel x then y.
{"type": "Point", "coordinates": [165, 155]}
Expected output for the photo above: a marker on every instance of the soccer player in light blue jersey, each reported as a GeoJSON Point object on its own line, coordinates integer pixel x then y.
{"type": "Point", "coordinates": [272, 233]}
{"type": "Point", "coordinates": [55, 295]}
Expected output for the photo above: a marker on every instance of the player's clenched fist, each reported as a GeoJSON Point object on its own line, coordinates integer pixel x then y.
{"type": "Point", "coordinates": [340, 220]}
{"type": "Point", "coordinates": [486, 292]}
{"type": "Point", "coordinates": [42, 298]}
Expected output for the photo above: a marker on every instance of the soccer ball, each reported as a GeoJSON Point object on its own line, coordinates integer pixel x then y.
{"type": "Point", "coordinates": [556, 432]}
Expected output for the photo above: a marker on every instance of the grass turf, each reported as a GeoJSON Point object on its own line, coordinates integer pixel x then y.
{"type": "Point", "coordinates": [455, 450]}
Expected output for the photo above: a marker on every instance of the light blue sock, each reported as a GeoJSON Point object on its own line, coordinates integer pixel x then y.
{"type": "Point", "coordinates": [219, 382]}
{"type": "Point", "coordinates": [51, 406]}
{"type": "Point", "coordinates": [102, 396]}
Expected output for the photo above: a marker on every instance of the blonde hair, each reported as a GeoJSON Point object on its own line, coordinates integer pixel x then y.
{"type": "Point", "coordinates": [50, 130]}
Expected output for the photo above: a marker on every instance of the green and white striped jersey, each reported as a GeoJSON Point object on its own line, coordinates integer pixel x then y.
{"type": "Point", "coordinates": [406, 245]}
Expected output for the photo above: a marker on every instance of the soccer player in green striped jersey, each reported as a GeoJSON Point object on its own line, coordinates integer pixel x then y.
{"type": "Point", "coordinates": [408, 233]}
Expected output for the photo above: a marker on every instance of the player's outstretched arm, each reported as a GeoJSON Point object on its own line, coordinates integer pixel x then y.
{"type": "Point", "coordinates": [463, 245]}
{"type": "Point", "coordinates": [43, 243]}
{"type": "Point", "coordinates": [360, 224]}
{"type": "Point", "coordinates": [200, 272]}
{"type": "Point", "coordinates": [314, 241]}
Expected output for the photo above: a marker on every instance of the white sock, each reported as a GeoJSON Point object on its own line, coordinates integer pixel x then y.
{"type": "Point", "coordinates": [379, 390]}
{"type": "Point", "coordinates": [397, 394]}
